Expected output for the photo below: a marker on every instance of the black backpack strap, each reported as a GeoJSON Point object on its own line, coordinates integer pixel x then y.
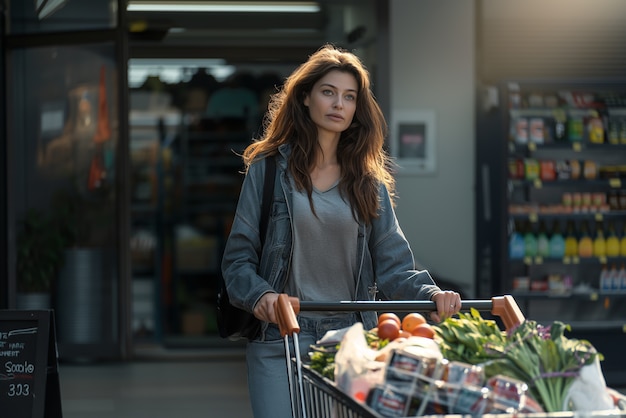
{"type": "Point", "coordinates": [268, 195]}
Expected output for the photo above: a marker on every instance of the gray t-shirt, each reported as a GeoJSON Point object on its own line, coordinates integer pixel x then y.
{"type": "Point", "coordinates": [324, 260]}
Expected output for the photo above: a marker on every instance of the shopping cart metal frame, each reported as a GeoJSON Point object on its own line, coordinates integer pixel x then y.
{"type": "Point", "coordinates": [312, 395]}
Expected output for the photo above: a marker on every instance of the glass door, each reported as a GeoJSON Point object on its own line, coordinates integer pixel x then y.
{"type": "Point", "coordinates": [65, 164]}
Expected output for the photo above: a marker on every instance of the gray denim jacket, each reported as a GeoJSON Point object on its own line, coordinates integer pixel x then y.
{"type": "Point", "coordinates": [386, 267]}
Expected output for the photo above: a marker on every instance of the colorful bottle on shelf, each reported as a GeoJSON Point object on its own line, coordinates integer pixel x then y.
{"type": "Point", "coordinates": [614, 278]}
{"type": "Point", "coordinates": [621, 274]}
{"type": "Point", "coordinates": [585, 243]}
{"type": "Point", "coordinates": [571, 242]}
{"type": "Point", "coordinates": [612, 242]}
{"type": "Point", "coordinates": [605, 280]}
{"type": "Point", "coordinates": [622, 242]}
{"type": "Point", "coordinates": [530, 241]}
{"type": "Point", "coordinates": [543, 243]}
{"type": "Point", "coordinates": [516, 243]}
{"type": "Point", "coordinates": [599, 241]}
{"type": "Point", "coordinates": [557, 242]}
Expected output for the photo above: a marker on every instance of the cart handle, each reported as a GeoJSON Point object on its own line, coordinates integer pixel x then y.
{"type": "Point", "coordinates": [286, 314]}
{"type": "Point", "coordinates": [504, 307]}
{"type": "Point", "coordinates": [507, 309]}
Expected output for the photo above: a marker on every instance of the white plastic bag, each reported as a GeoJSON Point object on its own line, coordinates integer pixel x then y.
{"type": "Point", "coordinates": [588, 392]}
{"type": "Point", "coordinates": [356, 370]}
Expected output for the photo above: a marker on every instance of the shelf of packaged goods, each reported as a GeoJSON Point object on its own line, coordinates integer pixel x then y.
{"type": "Point", "coordinates": [546, 214]}
{"type": "Point", "coordinates": [523, 149]}
{"type": "Point", "coordinates": [610, 183]}
{"type": "Point", "coordinates": [573, 260]}
{"type": "Point", "coordinates": [592, 296]}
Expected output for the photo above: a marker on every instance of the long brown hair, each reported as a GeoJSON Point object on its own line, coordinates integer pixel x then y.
{"type": "Point", "coordinates": [360, 153]}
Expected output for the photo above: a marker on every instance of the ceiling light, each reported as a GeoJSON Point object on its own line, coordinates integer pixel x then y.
{"type": "Point", "coordinates": [224, 6]}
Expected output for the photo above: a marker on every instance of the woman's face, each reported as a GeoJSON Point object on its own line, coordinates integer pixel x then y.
{"type": "Point", "coordinates": [332, 101]}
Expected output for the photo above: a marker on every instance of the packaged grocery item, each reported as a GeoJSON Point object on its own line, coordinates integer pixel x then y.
{"type": "Point", "coordinates": [507, 395]}
{"type": "Point", "coordinates": [472, 400]}
{"type": "Point", "coordinates": [536, 130]}
{"type": "Point", "coordinates": [389, 401]}
{"type": "Point", "coordinates": [613, 200]}
{"type": "Point", "coordinates": [595, 130]}
{"type": "Point", "coordinates": [560, 125]}
{"type": "Point", "coordinates": [521, 284]}
{"type": "Point", "coordinates": [598, 199]}
{"type": "Point", "coordinates": [521, 131]}
{"type": "Point", "coordinates": [590, 170]}
{"type": "Point", "coordinates": [516, 169]}
{"type": "Point", "coordinates": [531, 166]}
{"type": "Point", "coordinates": [412, 365]}
{"type": "Point", "coordinates": [563, 170]}
{"type": "Point", "coordinates": [548, 170]}
{"type": "Point", "coordinates": [577, 200]}
{"type": "Point", "coordinates": [575, 128]}
{"type": "Point", "coordinates": [459, 373]}
{"type": "Point", "coordinates": [575, 169]}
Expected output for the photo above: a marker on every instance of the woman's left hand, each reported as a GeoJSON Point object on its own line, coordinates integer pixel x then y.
{"type": "Point", "coordinates": [448, 303]}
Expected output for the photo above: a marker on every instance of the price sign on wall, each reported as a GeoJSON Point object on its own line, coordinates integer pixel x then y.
{"type": "Point", "coordinates": [29, 381]}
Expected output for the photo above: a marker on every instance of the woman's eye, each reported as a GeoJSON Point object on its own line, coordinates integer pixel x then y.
{"type": "Point", "coordinates": [351, 97]}
{"type": "Point", "coordinates": [327, 92]}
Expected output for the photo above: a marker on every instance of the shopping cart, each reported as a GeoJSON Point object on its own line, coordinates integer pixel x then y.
{"type": "Point", "coordinates": [314, 396]}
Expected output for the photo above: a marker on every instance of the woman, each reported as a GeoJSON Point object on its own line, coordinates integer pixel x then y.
{"type": "Point", "coordinates": [332, 233]}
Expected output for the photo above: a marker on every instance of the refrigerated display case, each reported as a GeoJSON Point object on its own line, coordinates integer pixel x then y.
{"type": "Point", "coordinates": [551, 205]}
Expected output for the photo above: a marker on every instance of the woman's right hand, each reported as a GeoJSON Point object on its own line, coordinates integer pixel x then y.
{"type": "Point", "coordinates": [264, 309]}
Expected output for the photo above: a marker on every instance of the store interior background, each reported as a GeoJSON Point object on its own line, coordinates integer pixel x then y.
{"type": "Point", "coordinates": [424, 58]}
{"type": "Point", "coordinates": [210, 100]}
{"type": "Point", "coordinates": [433, 67]}
{"type": "Point", "coordinates": [424, 69]}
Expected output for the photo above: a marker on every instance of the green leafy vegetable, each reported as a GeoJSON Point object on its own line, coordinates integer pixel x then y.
{"type": "Point", "coordinates": [540, 356]}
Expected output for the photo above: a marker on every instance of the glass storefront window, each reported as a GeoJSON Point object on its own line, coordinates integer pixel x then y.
{"type": "Point", "coordinates": [64, 133]}
{"type": "Point", "coordinates": [38, 16]}
{"type": "Point", "coordinates": [189, 121]}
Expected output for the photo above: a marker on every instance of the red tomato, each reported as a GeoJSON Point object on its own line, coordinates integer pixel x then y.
{"type": "Point", "coordinates": [388, 329]}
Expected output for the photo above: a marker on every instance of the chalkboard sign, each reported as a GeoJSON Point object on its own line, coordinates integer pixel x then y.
{"type": "Point", "coordinates": [29, 379]}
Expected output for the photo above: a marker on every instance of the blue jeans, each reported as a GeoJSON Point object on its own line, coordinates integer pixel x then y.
{"type": "Point", "coordinates": [268, 383]}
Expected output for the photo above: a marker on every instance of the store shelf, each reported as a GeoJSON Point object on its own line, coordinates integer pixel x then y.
{"type": "Point", "coordinates": [554, 170]}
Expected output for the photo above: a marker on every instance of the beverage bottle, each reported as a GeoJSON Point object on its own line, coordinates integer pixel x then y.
{"type": "Point", "coordinates": [571, 242]}
{"type": "Point", "coordinates": [621, 274]}
{"type": "Point", "coordinates": [605, 280]}
{"type": "Point", "coordinates": [599, 242]}
{"type": "Point", "coordinates": [543, 243]}
{"type": "Point", "coordinates": [612, 242]}
{"type": "Point", "coordinates": [614, 278]}
{"type": "Point", "coordinates": [622, 278]}
{"type": "Point", "coordinates": [530, 241]}
{"type": "Point", "coordinates": [622, 242]}
{"type": "Point", "coordinates": [516, 243]}
{"type": "Point", "coordinates": [585, 243]}
{"type": "Point", "coordinates": [557, 242]}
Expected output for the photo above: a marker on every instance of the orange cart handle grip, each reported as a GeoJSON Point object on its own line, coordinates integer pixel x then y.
{"type": "Point", "coordinates": [506, 308]}
{"type": "Point", "coordinates": [286, 315]}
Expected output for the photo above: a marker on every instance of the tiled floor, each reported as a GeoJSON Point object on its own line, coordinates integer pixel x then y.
{"type": "Point", "coordinates": [194, 388]}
